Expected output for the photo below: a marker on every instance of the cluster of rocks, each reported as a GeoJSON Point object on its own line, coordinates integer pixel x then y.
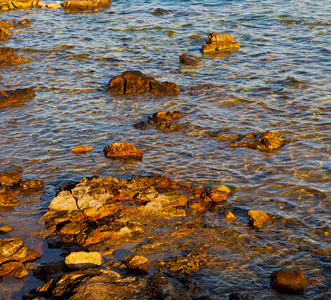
{"type": "Point", "coordinates": [13, 256]}
{"type": "Point", "coordinates": [160, 120]}
{"type": "Point", "coordinates": [11, 183]}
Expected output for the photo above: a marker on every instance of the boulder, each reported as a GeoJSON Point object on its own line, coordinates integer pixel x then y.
{"type": "Point", "coordinates": [135, 82]}
{"type": "Point", "coordinates": [123, 150]}
{"type": "Point", "coordinates": [9, 58]}
{"type": "Point", "coordinates": [10, 178]}
{"type": "Point", "coordinates": [266, 141]}
{"type": "Point", "coordinates": [64, 201]}
{"type": "Point", "coordinates": [17, 4]}
{"type": "Point", "coordinates": [258, 219]}
{"type": "Point", "coordinates": [81, 149]}
{"type": "Point", "coordinates": [85, 4]}
{"type": "Point", "coordinates": [83, 260]}
{"type": "Point", "coordinates": [286, 281]}
{"type": "Point", "coordinates": [219, 42]}
{"type": "Point", "coordinates": [160, 120]}
{"type": "Point", "coordinates": [137, 263]}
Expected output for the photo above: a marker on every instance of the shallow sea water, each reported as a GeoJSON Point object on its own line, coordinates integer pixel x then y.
{"type": "Point", "coordinates": [278, 80]}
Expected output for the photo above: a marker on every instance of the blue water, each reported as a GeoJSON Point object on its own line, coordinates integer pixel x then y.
{"type": "Point", "coordinates": [278, 80]}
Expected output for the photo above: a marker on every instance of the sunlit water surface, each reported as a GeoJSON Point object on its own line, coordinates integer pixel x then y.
{"type": "Point", "coordinates": [279, 80]}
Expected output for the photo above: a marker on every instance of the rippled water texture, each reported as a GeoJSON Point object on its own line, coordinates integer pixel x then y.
{"type": "Point", "coordinates": [278, 80]}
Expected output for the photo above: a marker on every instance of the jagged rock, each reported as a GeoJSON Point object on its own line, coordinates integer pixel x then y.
{"type": "Point", "coordinates": [10, 178]}
{"type": "Point", "coordinates": [85, 4]}
{"type": "Point", "coordinates": [218, 42]}
{"type": "Point", "coordinates": [17, 4]}
{"type": "Point", "coordinates": [287, 281]}
{"type": "Point", "coordinates": [135, 82]}
{"type": "Point", "coordinates": [258, 219]}
{"type": "Point", "coordinates": [190, 60]}
{"type": "Point", "coordinates": [230, 216]}
{"type": "Point", "coordinates": [137, 263]}
{"type": "Point", "coordinates": [64, 201]}
{"type": "Point", "coordinates": [34, 184]}
{"type": "Point", "coordinates": [81, 149]}
{"type": "Point", "coordinates": [7, 197]}
{"type": "Point", "coordinates": [83, 260]}
{"type": "Point", "coordinates": [13, 255]}
{"type": "Point", "coordinates": [123, 150]}
{"type": "Point", "coordinates": [266, 141]}
{"type": "Point", "coordinates": [6, 229]}
{"type": "Point", "coordinates": [160, 120]}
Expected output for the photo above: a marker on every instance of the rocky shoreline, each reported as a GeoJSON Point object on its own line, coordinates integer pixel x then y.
{"type": "Point", "coordinates": [91, 219]}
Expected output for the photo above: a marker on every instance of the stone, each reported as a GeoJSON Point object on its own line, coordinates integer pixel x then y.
{"type": "Point", "coordinates": [258, 219]}
{"type": "Point", "coordinates": [6, 229]}
{"type": "Point", "coordinates": [57, 4]}
{"type": "Point", "coordinates": [64, 201]}
{"type": "Point", "coordinates": [34, 184]}
{"type": "Point", "coordinates": [17, 4]}
{"type": "Point", "coordinates": [237, 296]}
{"type": "Point", "coordinates": [13, 269]}
{"type": "Point", "coordinates": [83, 260]}
{"type": "Point", "coordinates": [266, 141]}
{"type": "Point", "coordinates": [160, 120]}
{"type": "Point", "coordinates": [135, 82]}
{"type": "Point", "coordinates": [123, 150]}
{"type": "Point", "coordinates": [81, 149]}
{"type": "Point", "coordinates": [190, 60]}
{"type": "Point", "coordinates": [9, 58]}
{"type": "Point", "coordinates": [4, 36]}
{"type": "Point", "coordinates": [287, 281]}
{"type": "Point", "coordinates": [7, 197]}
{"type": "Point", "coordinates": [24, 22]}
{"type": "Point", "coordinates": [219, 42]}
{"type": "Point", "coordinates": [137, 262]}
{"type": "Point", "coordinates": [230, 216]}
{"type": "Point", "coordinates": [85, 4]}
{"type": "Point", "coordinates": [14, 97]}
{"type": "Point", "coordinates": [10, 178]}
{"type": "Point", "coordinates": [159, 11]}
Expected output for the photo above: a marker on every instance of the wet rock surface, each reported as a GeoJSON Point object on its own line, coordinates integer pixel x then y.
{"type": "Point", "coordinates": [219, 42]}
{"type": "Point", "coordinates": [267, 141]}
{"type": "Point", "coordinates": [123, 151]}
{"type": "Point", "coordinates": [85, 4]}
{"type": "Point", "coordinates": [83, 260]}
{"type": "Point", "coordinates": [15, 97]}
{"type": "Point", "coordinates": [17, 4]}
{"type": "Point", "coordinates": [13, 254]}
{"type": "Point", "coordinates": [33, 184]}
{"type": "Point", "coordinates": [287, 281]}
{"type": "Point", "coordinates": [9, 58]}
{"type": "Point", "coordinates": [6, 229]}
{"type": "Point", "coordinates": [81, 149]}
{"type": "Point", "coordinates": [190, 60]}
{"type": "Point", "coordinates": [7, 197]}
{"type": "Point", "coordinates": [137, 263]}
{"type": "Point", "coordinates": [160, 120]}
{"type": "Point", "coordinates": [135, 82]}
{"type": "Point", "coordinates": [10, 178]}
{"type": "Point", "coordinates": [258, 219]}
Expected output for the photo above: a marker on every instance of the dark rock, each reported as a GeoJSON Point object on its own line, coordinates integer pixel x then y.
{"type": "Point", "coordinates": [135, 82]}
{"type": "Point", "coordinates": [160, 120]}
{"type": "Point", "coordinates": [266, 141]}
{"type": "Point", "coordinates": [190, 60]}
{"type": "Point", "coordinates": [85, 4]}
{"type": "Point", "coordinates": [137, 263]}
{"type": "Point", "coordinates": [123, 151]}
{"type": "Point", "coordinates": [34, 184]}
{"type": "Point", "coordinates": [219, 42]}
{"type": "Point", "coordinates": [195, 37]}
{"type": "Point", "coordinates": [237, 296]}
{"type": "Point", "coordinates": [10, 178]}
{"type": "Point", "coordinates": [286, 281]}
{"type": "Point", "coordinates": [159, 12]}
{"type": "Point", "coordinates": [15, 97]}
{"type": "Point", "coordinates": [7, 197]}
{"type": "Point", "coordinates": [258, 219]}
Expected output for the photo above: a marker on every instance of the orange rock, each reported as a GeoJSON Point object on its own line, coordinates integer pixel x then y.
{"type": "Point", "coordinates": [81, 149]}
{"type": "Point", "coordinates": [123, 151]}
{"type": "Point", "coordinates": [219, 41]}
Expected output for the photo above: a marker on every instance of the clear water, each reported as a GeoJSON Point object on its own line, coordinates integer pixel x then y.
{"type": "Point", "coordinates": [279, 80]}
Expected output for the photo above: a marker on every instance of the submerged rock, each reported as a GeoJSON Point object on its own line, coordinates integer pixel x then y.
{"type": "Point", "coordinates": [7, 197]}
{"type": "Point", "coordinates": [266, 141]}
{"type": "Point", "coordinates": [190, 60]}
{"type": "Point", "coordinates": [286, 281]}
{"type": "Point", "coordinates": [6, 229]}
{"type": "Point", "coordinates": [81, 149]}
{"type": "Point", "coordinates": [15, 97]}
{"type": "Point", "coordinates": [9, 58]}
{"type": "Point", "coordinates": [83, 260]}
{"type": "Point", "coordinates": [160, 120]}
{"type": "Point", "coordinates": [13, 254]}
{"type": "Point", "coordinates": [218, 42]}
{"type": "Point", "coordinates": [135, 82]}
{"type": "Point", "coordinates": [258, 219]}
{"type": "Point", "coordinates": [137, 263]}
{"type": "Point", "coordinates": [85, 4]}
{"type": "Point", "coordinates": [4, 36]}
{"type": "Point", "coordinates": [237, 296]}
{"type": "Point", "coordinates": [123, 150]}
{"type": "Point", "coordinates": [33, 184]}
{"type": "Point", "coordinates": [10, 178]}
{"type": "Point", "coordinates": [159, 12]}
